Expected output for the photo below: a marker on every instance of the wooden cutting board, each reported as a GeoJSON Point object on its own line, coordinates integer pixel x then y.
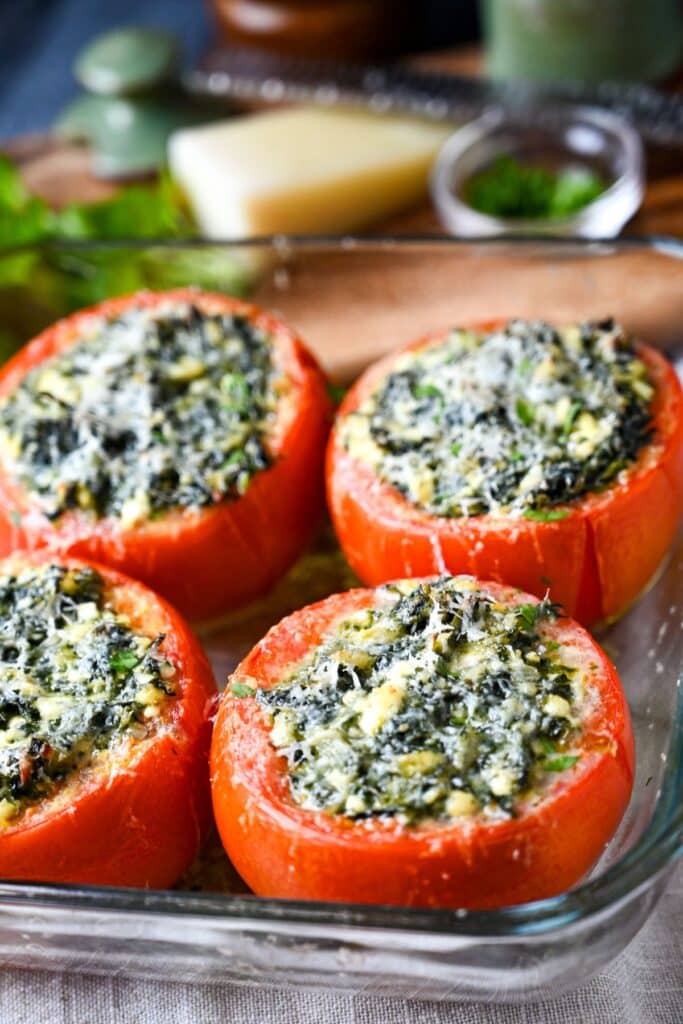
{"type": "Point", "coordinates": [370, 306]}
{"type": "Point", "coordinates": [60, 172]}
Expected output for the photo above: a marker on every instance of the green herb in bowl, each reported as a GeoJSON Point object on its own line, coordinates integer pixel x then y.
{"type": "Point", "coordinates": [511, 189]}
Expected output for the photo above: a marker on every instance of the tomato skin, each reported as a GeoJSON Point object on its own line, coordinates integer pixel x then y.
{"type": "Point", "coordinates": [594, 562]}
{"type": "Point", "coordinates": [209, 560]}
{"type": "Point", "coordinates": [143, 823]}
{"type": "Point", "coordinates": [282, 850]}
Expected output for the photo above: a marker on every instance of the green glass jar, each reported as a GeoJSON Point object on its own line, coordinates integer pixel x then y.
{"type": "Point", "coordinates": [587, 40]}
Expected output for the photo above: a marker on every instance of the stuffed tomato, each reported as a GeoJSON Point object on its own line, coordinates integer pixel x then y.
{"type": "Point", "coordinates": [548, 458]}
{"type": "Point", "coordinates": [105, 705]}
{"type": "Point", "coordinates": [438, 742]}
{"type": "Point", "coordinates": [176, 436]}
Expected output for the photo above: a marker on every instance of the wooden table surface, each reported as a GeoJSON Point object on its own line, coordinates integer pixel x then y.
{"type": "Point", "coordinates": [60, 172]}
{"type": "Point", "coordinates": [372, 303]}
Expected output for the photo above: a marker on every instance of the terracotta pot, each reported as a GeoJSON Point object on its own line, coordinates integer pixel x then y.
{"type": "Point", "coordinates": [348, 29]}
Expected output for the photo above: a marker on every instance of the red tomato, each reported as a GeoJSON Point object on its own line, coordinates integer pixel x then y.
{"type": "Point", "coordinates": [595, 561]}
{"type": "Point", "coordinates": [284, 850]}
{"type": "Point", "coordinates": [206, 560]}
{"type": "Point", "coordinates": [139, 821]}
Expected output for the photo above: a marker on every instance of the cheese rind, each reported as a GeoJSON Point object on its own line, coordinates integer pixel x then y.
{"type": "Point", "coordinates": [302, 170]}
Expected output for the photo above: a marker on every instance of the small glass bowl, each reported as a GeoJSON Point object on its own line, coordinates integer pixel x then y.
{"type": "Point", "coordinates": [554, 137]}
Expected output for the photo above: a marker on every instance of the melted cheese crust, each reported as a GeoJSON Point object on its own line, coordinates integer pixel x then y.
{"type": "Point", "coordinates": [438, 703]}
{"type": "Point", "coordinates": [156, 409]}
{"type": "Point", "coordinates": [516, 421]}
{"type": "Point", "coordinates": [76, 683]}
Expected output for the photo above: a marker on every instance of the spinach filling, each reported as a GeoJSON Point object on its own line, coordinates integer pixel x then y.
{"type": "Point", "coordinates": [156, 409]}
{"type": "Point", "coordinates": [74, 678]}
{"type": "Point", "coordinates": [516, 421]}
{"type": "Point", "coordinates": [438, 703]}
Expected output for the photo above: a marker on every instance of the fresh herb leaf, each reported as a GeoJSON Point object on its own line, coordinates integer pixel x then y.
{"type": "Point", "coordinates": [124, 661]}
{"type": "Point", "coordinates": [574, 411]}
{"type": "Point", "coordinates": [573, 189]}
{"type": "Point", "coordinates": [137, 211]}
{"type": "Point", "coordinates": [336, 392]}
{"type": "Point", "coordinates": [456, 448]}
{"type": "Point", "coordinates": [529, 613]}
{"type": "Point", "coordinates": [561, 763]}
{"type": "Point", "coordinates": [427, 391]}
{"type": "Point", "coordinates": [524, 367]}
{"type": "Point", "coordinates": [236, 387]}
{"type": "Point", "coordinates": [58, 281]}
{"type": "Point", "coordinates": [509, 188]}
{"type": "Point", "coordinates": [525, 412]}
{"type": "Point", "coordinates": [546, 515]}
{"type": "Point", "coordinates": [546, 745]}
{"type": "Point", "coordinates": [242, 690]}
{"type": "Point", "coordinates": [235, 458]}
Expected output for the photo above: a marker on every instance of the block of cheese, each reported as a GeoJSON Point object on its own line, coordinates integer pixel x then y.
{"type": "Point", "coordinates": [302, 170]}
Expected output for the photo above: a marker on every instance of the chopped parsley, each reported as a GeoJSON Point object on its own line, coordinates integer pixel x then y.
{"type": "Point", "coordinates": [153, 410]}
{"type": "Point", "coordinates": [560, 764]}
{"type": "Point", "coordinates": [74, 679]}
{"type": "Point", "coordinates": [123, 661]}
{"type": "Point", "coordinates": [512, 189]}
{"type": "Point", "coordinates": [525, 412]}
{"type": "Point", "coordinates": [437, 703]}
{"type": "Point", "coordinates": [518, 420]}
{"type": "Point", "coordinates": [242, 690]}
{"type": "Point", "coordinates": [546, 515]}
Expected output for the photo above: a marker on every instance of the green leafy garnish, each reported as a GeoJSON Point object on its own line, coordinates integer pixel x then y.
{"type": "Point", "coordinates": [560, 763]}
{"type": "Point", "coordinates": [124, 661]}
{"type": "Point", "coordinates": [427, 391]}
{"type": "Point", "coordinates": [242, 690]}
{"type": "Point", "coordinates": [235, 386]}
{"type": "Point", "coordinates": [509, 188]}
{"type": "Point", "coordinates": [546, 515]}
{"type": "Point", "coordinates": [336, 392]}
{"type": "Point", "coordinates": [234, 458]}
{"type": "Point", "coordinates": [546, 745]}
{"type": "Point", "coordinates": [525, 412]}
{"type": "Point", "coordinates": [58, 280]}
{"type": "Point", "coordinates": [136, 211]}
{"type": "Point", "coordinates": [525, 366]}
{"type": "Point", "coordinates": [529, 613]}
{"type": "Point", "coordinates": [574, 411]}
{"type": "Point", "coordinates": [456, 448]}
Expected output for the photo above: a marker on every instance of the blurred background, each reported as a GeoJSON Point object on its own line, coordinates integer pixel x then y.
{"type": "Point", "coordinates": [223, 119]}
{"type": "Point", "coordinates": [40, 40]}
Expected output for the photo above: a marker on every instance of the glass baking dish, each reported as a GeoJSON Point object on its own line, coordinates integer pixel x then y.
{"type": "Point", "coordinates": [352, 299]}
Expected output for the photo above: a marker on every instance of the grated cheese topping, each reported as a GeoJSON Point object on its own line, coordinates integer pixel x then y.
{"type": "Point", "coordinates": [152, 410]}
{"type": "Point", "coordinates": [438, 703]}
{"type": "Point", "coordinates": [516, 421]}
{"type": "Point", "coordinates": [74, 680]}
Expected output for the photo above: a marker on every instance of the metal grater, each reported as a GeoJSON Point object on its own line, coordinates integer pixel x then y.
{"type": "Point", "coordinates": [253, 75]}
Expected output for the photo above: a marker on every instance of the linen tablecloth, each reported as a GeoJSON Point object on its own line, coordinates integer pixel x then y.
{"type": "Point", "coordinates": [643, 986]}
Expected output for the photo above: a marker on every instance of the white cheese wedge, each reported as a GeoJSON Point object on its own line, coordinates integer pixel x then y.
{"type": "Point", "coordinates": [302, 170]}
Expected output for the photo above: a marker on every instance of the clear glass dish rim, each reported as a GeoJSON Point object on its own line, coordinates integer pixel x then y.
{"type": "Point", "coordinates": [656, 850]}
{"type": "Point", "coordinates": [629, 185]}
